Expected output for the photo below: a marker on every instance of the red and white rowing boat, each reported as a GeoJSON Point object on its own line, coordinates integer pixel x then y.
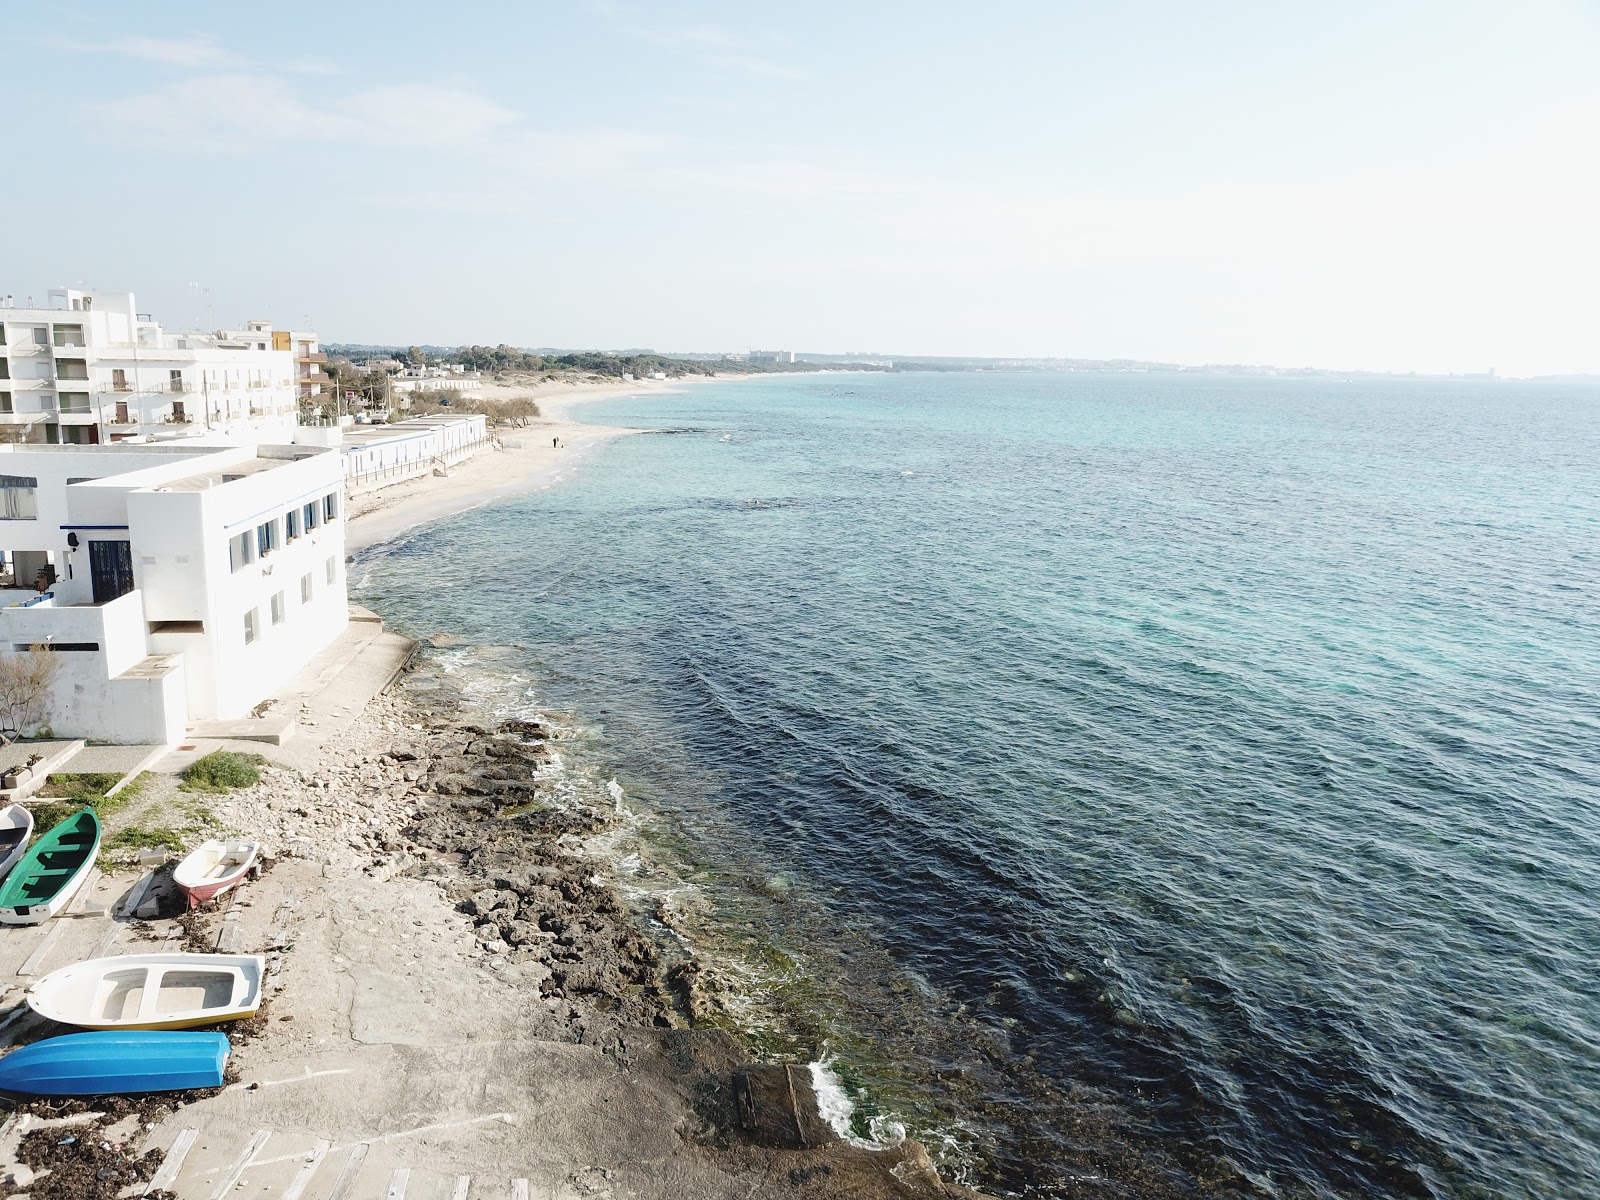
{"type": "Point", "coordinates": [215, 867]}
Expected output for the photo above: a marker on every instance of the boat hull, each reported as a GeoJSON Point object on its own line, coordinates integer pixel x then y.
{"type": "Point", "coordinates": [49, 875]}
{"type": "Point", "coordinates": [16, 826]}
{"type": "Point", "coordinates": [115, 1064]}
{"type": "Point", "coordinates": [204, 875]}
{"type": "Point", "coordinates": [151, 991]}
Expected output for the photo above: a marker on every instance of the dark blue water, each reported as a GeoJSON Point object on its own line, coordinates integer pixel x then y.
{"type": "Point", "coordinates": [1168, 786]}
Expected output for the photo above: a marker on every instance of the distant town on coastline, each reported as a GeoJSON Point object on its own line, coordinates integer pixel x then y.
{"type": "Point", "coordinates": [639, 363]}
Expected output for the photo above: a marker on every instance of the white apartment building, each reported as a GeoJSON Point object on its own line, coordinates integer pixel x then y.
{"type": "Point", "coordinates": [176, 582]}
{"type": "Point", "coordinates": [90, 369]}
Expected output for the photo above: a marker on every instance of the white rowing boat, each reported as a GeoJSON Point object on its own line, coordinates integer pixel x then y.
{"type": "Point", "coordinates": [151, 991]}
{"type": "Point", "coordinates": [213, 868]}
{"type": "Point", "coordinates": [16, 827]}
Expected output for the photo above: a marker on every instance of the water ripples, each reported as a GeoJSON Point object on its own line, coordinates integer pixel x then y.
{"type": "Point", "coordinates": [1187, 787]}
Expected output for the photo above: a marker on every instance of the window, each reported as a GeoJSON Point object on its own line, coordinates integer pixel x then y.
{"type": "Point", "coordinates": [330, 506]}
{"type": "Point", "coordinates": [305, 589]}
{"type": "Point", "coordinates": [19, 498]}
{"type": "Point", "coordinates": [242, 550]}
{"type": "Point", "coordinates": [175, 381]}
{"type": "Point", "coordinates": [69, 335]}
{"type": "Point", "coordinates": [5, 402]}
{"type": "Point", "coordinates": [252, 626]}
{"type": "Point", "coordinates": [333, 571]}
{"type": "Point", "coordinates": [41, 336]}
{"type": "Point", "coordinates": [278, 607]}
{"type": "Point", "coordinates": [310, 514]}
{"type": "Point", "coordinates": [267, 537]}
{"type": "Point", "coordinates": [75, 402]}
{"type": "Point", "coordinates": [119, 379]}
{"type": "Point", "coordinates": [291, 525]}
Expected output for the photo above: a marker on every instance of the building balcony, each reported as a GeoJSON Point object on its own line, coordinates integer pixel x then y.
{"type": "Point", "coordinates": [115, 628]}
{"type": "Point", "coordinates": [77, 416]}
{"type": "Point", "coordinates": [311, 358]}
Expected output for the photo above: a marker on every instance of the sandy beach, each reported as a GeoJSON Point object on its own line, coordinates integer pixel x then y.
{"type": "Point", "coordinates": [527, 460]}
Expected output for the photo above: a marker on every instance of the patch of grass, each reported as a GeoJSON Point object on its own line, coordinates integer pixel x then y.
{"type": "Point", "coordinates": [139, 837]}
{"type": "Point", "coordinates": [198, 820]}
{"type": "Point", "coordinates": [90, 788]}
{"type": "Point", "coordinates": [95, 783]}
{"type": "Point", "coordinates": [66, 794]}
{"type": "Point", "coordinates": [47, 815]}
{"type": "Point", "coordinates": [222, 771]}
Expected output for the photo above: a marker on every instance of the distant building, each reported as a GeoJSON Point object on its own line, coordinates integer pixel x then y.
{"type": "Point", "coordinates": [465, 385]}
{"type": "Point", "coordinates": [770, 356]}
{"type": "Point", "coordinates": [376, 455]}
{"type": "Point", "coordinates": [89, 368]}
{"type": "Point", "coordinates": [174, 582]}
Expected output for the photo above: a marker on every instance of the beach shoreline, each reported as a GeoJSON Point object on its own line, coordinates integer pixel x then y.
{"type": "Point", "coordinates": [526, 459]}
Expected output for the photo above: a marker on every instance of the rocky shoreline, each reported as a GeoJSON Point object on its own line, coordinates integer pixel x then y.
{"type": "Point", "coordinates": [420, 792]}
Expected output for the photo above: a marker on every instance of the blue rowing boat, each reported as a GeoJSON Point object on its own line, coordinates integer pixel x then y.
{"type": "Point", "coordinates": [114, 1063]}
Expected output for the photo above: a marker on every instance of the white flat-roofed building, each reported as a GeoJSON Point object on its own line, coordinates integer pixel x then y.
{"type": "Point", "coordinates": [465, 385]}
{"type": "Point", "coordinates": [378, 455]}
{"type": "Point", "coordinates": [90, 369]}
{"type": "Point", "coordinates": [174, 582]}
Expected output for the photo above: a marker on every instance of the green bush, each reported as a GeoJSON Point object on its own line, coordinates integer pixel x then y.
{"type": "Point", "coordinates": [223, 771]}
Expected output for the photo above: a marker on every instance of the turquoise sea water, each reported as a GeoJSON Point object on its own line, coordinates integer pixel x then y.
{"type": "Point", "coordinates": [1167, 785]}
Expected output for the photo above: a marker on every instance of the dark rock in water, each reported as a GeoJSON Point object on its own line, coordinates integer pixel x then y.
{"type": "Point", "coordinates": [531, 729]}
{"type": "Point", "coordinates": [687, 982]}
{"type": "Point", "coordinates": [776, 1106]}
{"type": "Point", "coordinates": [502, 747]}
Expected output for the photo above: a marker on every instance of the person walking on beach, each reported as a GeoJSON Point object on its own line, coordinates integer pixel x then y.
{"type": "Point", "coordinates": [555, 443]}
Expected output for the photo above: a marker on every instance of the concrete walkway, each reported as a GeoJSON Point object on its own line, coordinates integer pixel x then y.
{"type": "Point", "coordinates": [103, 760]}
{"type": "Point", "coordinates": [323, 699]}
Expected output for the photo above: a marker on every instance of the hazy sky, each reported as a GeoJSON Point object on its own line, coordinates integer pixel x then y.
{"type": "Point", "coordinates": [1406, 184]}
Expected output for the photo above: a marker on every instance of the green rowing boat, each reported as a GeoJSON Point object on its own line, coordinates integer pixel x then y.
{"type": "Point", "coordinates": [52, 871]}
